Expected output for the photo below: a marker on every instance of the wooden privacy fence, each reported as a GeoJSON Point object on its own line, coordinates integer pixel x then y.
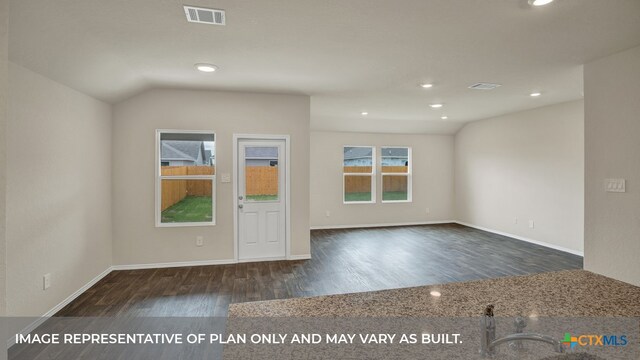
{"type": "Point", "coordinates": [260, 180]}
{"type": "Point", "coordinates": [394, 183]}
{"type": "Point", "coordinates": [362, 184]}
{"type": "Point", "coordinates": [173, 191]}
{"type": "Point", "coordinates": [188, 170]}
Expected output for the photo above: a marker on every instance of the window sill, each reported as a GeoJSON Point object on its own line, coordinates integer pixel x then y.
{"type": "Point", "coordinates": [190, 224]}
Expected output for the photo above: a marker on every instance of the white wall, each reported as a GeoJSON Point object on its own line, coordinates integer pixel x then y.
{"type": "Point", "coordinates": [612, 127]}
{"type": "Point", "coordinates": [136, 239]}
{"type": "Point", "coordinates": [432, 180]}
{"type": "Point", "coordinates": [58, 191]}
{"type": "Point", "coordinates": [528, 165]}
{"type": "Point", "coordinates": [4, 61]}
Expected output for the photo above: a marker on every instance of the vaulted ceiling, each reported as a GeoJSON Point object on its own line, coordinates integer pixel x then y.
{"type": "Point", "coordinates": [350, 56]}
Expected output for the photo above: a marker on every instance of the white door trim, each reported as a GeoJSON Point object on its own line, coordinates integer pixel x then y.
{"type": "Point", "coordinates": [287, 185]}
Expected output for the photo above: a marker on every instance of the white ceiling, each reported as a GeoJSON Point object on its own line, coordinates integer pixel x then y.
{"type": "Point", "coordinates": [348, 55]}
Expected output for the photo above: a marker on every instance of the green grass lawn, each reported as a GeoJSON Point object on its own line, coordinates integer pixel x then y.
{"type": "Point", "coordinates": [386, 196]}
{"type": "Point", "coordinates": [357, 196]}
{"type": "Point", "coordinates": [190, 209]}
{"type": "Point", "coordinates": [394, 195]}
{"type": "Point", "coordinates": [262, 197]}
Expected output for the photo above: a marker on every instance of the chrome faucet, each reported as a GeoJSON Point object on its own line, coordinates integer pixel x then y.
{"type": "Point", "coordinates": [488, 335]}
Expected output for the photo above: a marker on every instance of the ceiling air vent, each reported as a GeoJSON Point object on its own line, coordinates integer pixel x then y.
{"type": "Point", "coordinates": [204, 15]}
{"type": "Point", "coordinates": [484, 86]}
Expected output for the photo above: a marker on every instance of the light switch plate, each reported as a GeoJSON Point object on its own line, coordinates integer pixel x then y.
{"type": "Point", "coordinates": [615, 185]}
{"type": "Point", "coordinates": [225, 178]}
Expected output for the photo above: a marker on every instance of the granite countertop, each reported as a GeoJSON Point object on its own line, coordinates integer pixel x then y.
{"type": "Point", "coordinates": [575, 293]}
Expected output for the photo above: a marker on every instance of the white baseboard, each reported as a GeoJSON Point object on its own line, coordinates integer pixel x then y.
{"type": "Point", "coordinates": [31, 327]}
{"type": "Point", "coordinates": [174, 264]}
{"type": "Point", "coordinates": [299, 257]}
{"type": "Point", "coordinates": [532, 241]}
{"type": "Point", "coordinates": [277, 258]}
{"type": "Point", "coordinates": [541, 243]}
{"type": "Point", "coordinates": [329, 227]}
{"type": "Point", "coordinates": [204, 263]}
{"type": "Point", "coordinates": [62, 304]}
{"type": "Point", "coordinates": [78, 292]}
{"type": "Point", "coordinates": [70, 298]}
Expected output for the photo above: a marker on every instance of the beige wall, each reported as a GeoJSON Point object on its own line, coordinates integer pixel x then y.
{"type": "Point", "coordinates": [136, 239]}
{"type": "Point", "coordinates": [529, 166]}
{"type": "Point", "coordinates": [58, 191]}
{"type": "Point", "coordinates": [432, 180]}
{"type": "Point", "coordinates": [612, 147]}
{"type": "Point", "coordinates": [4, 59]}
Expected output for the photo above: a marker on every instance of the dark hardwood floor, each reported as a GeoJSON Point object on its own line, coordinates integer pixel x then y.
{"type": "Point", "coordinates": [343, 261]}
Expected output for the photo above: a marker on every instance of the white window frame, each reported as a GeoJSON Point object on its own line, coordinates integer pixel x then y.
{"type": "Point", "coordinates": [408, 174]}
{"type": "Point", "coordinates": [159, 177]}
{"type": "Point", "coordinates": [373, 175]}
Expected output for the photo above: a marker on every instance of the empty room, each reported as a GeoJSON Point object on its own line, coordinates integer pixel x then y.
{"type": "Point", "coordinates": [298, 179]}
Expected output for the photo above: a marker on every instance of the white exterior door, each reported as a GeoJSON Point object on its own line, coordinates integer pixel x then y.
{"type": "Point", "coordinates": [261, 200]}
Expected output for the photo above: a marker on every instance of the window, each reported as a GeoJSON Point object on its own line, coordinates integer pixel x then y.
{"type": "Point", "coordinates": [359, 175]}
{"type": "Point", "coordinates": [396, 174]}
{"type": "Point", "coordinates": [185, 178]}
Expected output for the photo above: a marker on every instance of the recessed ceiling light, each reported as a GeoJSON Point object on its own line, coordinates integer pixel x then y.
{"type": "Point", "coordinates": [535, 94]}
{"type": "Point", "coordinates": [206, 67]}
{"type": "Point", "coordinates": [426, 85]}
{"type": "Point", "coordinates": [436, 106]}
{"type": "Point", "coordinates": [435, 293]}
{"type": "Point", "coordinates": [539, 2]}
{"type": "Point", "coordinates": [364, 113]}
{"type": "Point", "coordinates": [444, 117]}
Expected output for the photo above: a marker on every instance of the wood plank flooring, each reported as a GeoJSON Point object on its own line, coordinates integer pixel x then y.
{"type": "Point", "coordinates": [343, 261]}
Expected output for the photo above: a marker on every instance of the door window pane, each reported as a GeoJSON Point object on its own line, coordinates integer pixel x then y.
{"type": "Point", "coordinates": [186, 201]}
{"type": "Point", "coordinates": [261, 173]}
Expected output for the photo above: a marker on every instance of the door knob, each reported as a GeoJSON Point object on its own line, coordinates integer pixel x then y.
{"type": "Point", "coordinates": [240, 206]}
{"type": "Point", "coordinates": [240, 197]}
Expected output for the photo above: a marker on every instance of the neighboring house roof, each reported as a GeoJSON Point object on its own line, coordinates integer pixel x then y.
{"type": "Point", "coordinates": [270, 153]}
{"type": "Point", "coordinates": [351, 153]}
{"type": "Point", "coordinates": [395, 152]}
{"type": "Point", "coordinates": [181, 150]}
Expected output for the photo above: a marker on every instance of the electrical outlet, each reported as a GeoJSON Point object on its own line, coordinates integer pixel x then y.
{"type": "Point", "coordinates": [199, 241]}
{"type": "Point", "coordinates": [327, 213]}
{"type": "Point", "coordinates": [428, 211]}
{"type": "Point", "coordinates": [46, 281]}
{"type": "Point", "coordinates": [531, 224]}
{"type": "Point", "coordinates": [515, 221]}
{"type": "Point", "coordinates": [615, 185]}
